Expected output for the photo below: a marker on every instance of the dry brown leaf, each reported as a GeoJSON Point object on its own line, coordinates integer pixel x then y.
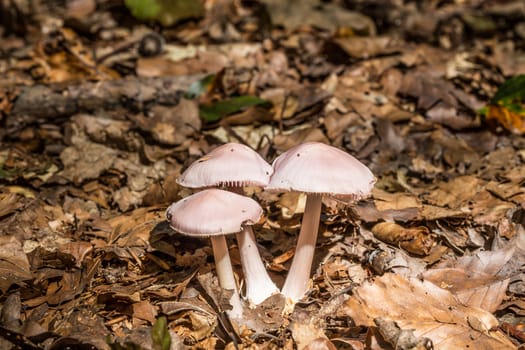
{"type": "Point", "coordinates": [366, 47]}
{"type": "Point", "coordinates": [78, 250]}
{"type": "Point", "coordinates": [401, 338]}
{"type": "Point", "coordinates": [286, 141]}
{"type": "Point", "coordinates": [9, 203]}
{"type": "Point", "coordinates": [194, 326]}
{"type": "Point", "coordinates": [86, 160]}
{"type": "Point", "coordinates": [171, 125]}
{"type": "Point", "coordinates": [71, 284]}
{"type": "Point", "coordinates": [416, 240]}
{"type": "Point", "coordinates": [316, 13]}
{"type": "Point", "coordinates": [476, 280]}
{"type": "Point", "coordinates": [320, 344]}
{"type": "Point", "coordinates": [428, 310]}
{"type": "Point", "coordinates": [145, 311]}
{"type": "Point", "coordinates": [368, 212]}
{"type": "Point", "coordinates": [308, 333]}
{"type": "Point", "coordinates": [14, 265]}
{"type": "Point", "coordinates": [291, 203]}
{"type": "Point", "coordinates": [394, 201]}
{"type": "Point", "coordinates": [455, 193]}
{"type": "Point", "coordinates": [432, 212]}
{"type": "Point", "coordinates": [61, 57]}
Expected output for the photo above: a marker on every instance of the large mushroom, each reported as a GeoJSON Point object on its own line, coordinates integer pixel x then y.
{"type": "Point", "coordinates": [316, 169]}
{"type": "Point", "coordinates": [214, 213]}
{"type": "Point", "coordinates": [234, 166]}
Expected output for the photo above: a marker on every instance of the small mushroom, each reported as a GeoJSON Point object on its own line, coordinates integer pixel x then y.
{"type": "Point", "coordinates": [234, 166]}
{"type": "Point", "coordinates": [214, 213]}
{"type": "Point", "coordinates": [316, 169]}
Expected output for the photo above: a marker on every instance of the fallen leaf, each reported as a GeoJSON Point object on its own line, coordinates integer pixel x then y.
{"type": "Point", "coordinates": [14, 265]}
{"type": "Point", "coordinates": [167, 12]}
{"type": "Point", "coordinates": [220, 109]}
{"type": "Point", "coordinates": [426, 309]}
{"type": "Point", "coordinates": [366, 47]}
{"type": "Point", "coordinates": [512, 120]}
{"type": "Point", "coordinates": [145, 311]}
{"type": "Point", "coordinates": [292, 14]}
{"type": "Point", "coordinates": [78, 250]}
{"type": "Point", "coordinates": [9, 203]}
{"type": "Point", "coordinates": [508, 105]}
{"type": "Point", "coordinates": [416, 240]}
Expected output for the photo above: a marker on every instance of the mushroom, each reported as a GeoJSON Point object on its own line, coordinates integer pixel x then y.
{"type": "Point", "coordinates": [234, 166]}
{"type": "Point", "coordinates": [316, 169]}
{"type": "Point", "coordinates": [214, 213]}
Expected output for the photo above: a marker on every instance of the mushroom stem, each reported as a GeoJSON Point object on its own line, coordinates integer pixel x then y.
{"type": "Point", "coordinates": [296, 284]}
{"type": "Point", "coordinates": [259, 286]}
{"type": "Point", "coordinates": [224, 269]}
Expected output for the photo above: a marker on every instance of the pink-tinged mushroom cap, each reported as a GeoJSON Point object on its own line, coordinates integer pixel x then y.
{"type": "Point", "coordinates": [213, 212]}
{"type": "Point", "coordinates": [231, 164]}
{"type": "Point", "coordinates": [315, 167]}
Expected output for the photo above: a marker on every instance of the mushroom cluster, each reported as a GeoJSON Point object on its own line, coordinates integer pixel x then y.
{"type": "Point", "coordinates": [314, 168]}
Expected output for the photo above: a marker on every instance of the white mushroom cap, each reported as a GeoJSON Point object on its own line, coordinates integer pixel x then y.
{"type": "Point", "coordinates": [315, 167]}
{"type": "Point", "coordinates": [213, 212]}
{"type": "Point", "coordinates": [231, 164]}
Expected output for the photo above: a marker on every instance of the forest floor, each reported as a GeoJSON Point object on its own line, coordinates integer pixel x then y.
{"type": "Point", "coordinates": [100, 112]}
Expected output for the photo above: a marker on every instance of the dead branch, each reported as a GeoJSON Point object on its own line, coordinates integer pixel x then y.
{"type": "Point", "coordinates": [39, 103]}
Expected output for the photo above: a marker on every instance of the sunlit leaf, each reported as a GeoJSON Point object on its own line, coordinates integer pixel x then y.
{"type": "Point", "coordinates": [512, 89]}
{"type": "Point", "coordinates": [512, 121]}
{"type": "Point", "coordinates": [508, 105]}
{"type": "Point", "coordinates": [167, 12]}
{"type": "Point", "coordinates": [143, 9]}
{"type": "Point", "coordinates": [217, 110]}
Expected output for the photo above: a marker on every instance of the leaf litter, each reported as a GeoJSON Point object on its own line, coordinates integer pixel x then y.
{"type": "Point", "coordinates": [98, 120]}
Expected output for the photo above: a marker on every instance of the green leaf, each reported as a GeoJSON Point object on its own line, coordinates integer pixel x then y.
{"type": "Point", "coordinates": [200, 87]}
{"type": "Point", "coordinates": [160, 334]}
{"type": "Point", "coordinates": [508, 105]}
{"type": "Point", "coordinates": [167, 12]}
{"type": "Point", "coordinates": [143, 9]}
{"type": "Point", "coordinates": [218, 110]}
{"type": "Point", "coordinates": [512, 90]}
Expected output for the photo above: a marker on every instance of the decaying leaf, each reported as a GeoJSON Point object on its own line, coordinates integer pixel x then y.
{"type": "Point", "coordinates": [416, 240]}
{"type": "Point", "coordinates": [14, 265]}
{"type": "Point", "coordinates": [426, 309]}
{"type": "Point", "coordinates": [308, 332]}
{"type": "Point", "coordinates": [476, 280]}
{"type": "Point", "coordinates": [401, 338]}
{"type": "Point", "coordinates": [316, 13]}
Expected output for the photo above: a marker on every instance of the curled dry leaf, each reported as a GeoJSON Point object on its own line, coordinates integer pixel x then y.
{"type": "Point", "coordinates": [9, 203]}
{"type": "Point", "coordinates": [401, 338]}
{"type": "Point", "coordinates": [144, 310]}
{"type": "Point", "coordinates": [14, 265]}
{"type": "Point", "coordinates": [308, 333]}
{"type": "Point", "coordinates": [172, 125]}
{"type": "Point", "coordinates": [86, 160]}
{"type": "Point", "coordinates": [416, 240]}
{"type": "Point", "coordinates": [478, 280]}
{"type": "Point", "coordinates": [426, 309]}
{"type": "Point", "coordinates": [78, 250]}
